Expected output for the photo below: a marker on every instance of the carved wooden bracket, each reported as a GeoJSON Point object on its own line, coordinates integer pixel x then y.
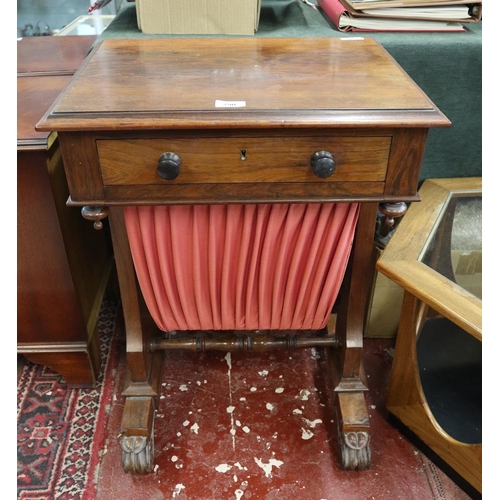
{"type": "Point", "coordinates": [96, 214]}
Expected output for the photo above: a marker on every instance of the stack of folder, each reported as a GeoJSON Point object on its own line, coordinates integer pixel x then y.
{"type": "Point", "coordinates": [401, 15]}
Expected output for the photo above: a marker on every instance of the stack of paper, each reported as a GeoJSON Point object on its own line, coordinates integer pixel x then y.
{"type": "Point", "coordinates": [401, 15]}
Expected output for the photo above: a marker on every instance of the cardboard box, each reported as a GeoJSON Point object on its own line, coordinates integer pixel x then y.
{"type": "Point", "coordinates": [384, 307]}
{"type": "Point", "coordinates": [198, 17]}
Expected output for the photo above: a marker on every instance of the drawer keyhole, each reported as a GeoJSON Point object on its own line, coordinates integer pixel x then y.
{"type": "Point", "coordinates": [243, 154]}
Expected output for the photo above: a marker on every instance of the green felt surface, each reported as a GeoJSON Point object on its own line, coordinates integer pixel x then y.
{"type": "Point", "coordinates": [447, 66]}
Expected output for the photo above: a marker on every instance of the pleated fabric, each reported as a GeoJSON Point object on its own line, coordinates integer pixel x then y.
{"type": "Point", "coordinates": [241, 267]}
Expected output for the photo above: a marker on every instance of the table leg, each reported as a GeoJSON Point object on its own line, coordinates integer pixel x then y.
{"type": "Point", "coordinates": [347, 370]}
{"type": "Point", "coordinates": [142, 383]}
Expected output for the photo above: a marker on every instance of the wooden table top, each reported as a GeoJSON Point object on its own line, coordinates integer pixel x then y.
{"type": "Point", "coordinates": [49, 55]}
{"type": "Point", "coordinates": [45, 66]}
{"type": "Point", "coordinates": [275, 82]}
{"type": "Point", "coordinates": [34, 97]}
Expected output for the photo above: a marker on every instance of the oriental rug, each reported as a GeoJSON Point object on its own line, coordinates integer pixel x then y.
{"type": "Point", "coordinates": [61, 431]}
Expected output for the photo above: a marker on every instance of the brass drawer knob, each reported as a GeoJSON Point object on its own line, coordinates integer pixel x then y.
{"type": "Point", "coordinates": [169, 165]}
{"type": "Point", "coordinates": [323, 164]}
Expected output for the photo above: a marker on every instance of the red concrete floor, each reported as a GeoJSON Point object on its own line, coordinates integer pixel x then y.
{"type": "Point", "coordinates": [259, 426]}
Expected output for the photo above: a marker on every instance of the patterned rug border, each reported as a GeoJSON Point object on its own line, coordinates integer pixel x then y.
{"type": "Point", "coordinates": [74, 469]}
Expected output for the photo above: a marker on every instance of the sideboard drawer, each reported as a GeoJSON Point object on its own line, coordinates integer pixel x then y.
{"type": "Point", "coordinates": [210, 160]}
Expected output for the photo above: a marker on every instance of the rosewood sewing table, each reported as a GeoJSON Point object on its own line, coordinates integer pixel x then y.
{"type": "Point", "coordinates": [170, 122]}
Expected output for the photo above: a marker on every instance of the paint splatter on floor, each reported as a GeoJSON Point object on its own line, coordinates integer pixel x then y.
{"type": "Point", "coordinates": [283, 444]}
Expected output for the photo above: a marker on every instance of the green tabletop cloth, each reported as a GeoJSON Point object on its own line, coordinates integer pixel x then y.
{"type": "Point", "coordinates": [447, 66]}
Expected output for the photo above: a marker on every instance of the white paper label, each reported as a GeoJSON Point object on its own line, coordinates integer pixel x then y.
{"type": "Point", "coordinates": [229, 104]}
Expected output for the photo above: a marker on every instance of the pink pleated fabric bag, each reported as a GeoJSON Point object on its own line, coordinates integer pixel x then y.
{"type": "Point", "coordinates": [241, 267]}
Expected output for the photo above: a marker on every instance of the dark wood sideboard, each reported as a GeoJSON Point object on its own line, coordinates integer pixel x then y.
{"type": "Point", "coordinates": [242, 120]}
{"type": "Point", "coordinates": [63, 265]}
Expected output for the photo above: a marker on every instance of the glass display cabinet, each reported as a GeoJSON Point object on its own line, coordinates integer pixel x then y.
{"type": "Point", "coordinates": [436, 386]}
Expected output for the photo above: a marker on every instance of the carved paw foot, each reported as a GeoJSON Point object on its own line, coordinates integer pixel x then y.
{"type": "Point", "coordinates": [137, 454]}
{"type": "Point", "coordinates": [355, 450]}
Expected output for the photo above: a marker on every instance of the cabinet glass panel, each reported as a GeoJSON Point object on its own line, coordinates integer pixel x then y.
{"type": "Point", "coordinates": [454, 248]}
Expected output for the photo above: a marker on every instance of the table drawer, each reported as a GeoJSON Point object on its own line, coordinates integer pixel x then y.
{"type": "Point", "coordinates": [210, 160]}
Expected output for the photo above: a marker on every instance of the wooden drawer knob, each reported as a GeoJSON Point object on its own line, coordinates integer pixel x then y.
{"type": "Point", "coordinates": [322, 164]}
{"type": "Point", "coordinates": [169, 165]}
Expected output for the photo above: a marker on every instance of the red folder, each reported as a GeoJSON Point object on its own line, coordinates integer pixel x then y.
{"type": "Point", "coordinates": [345, 20]}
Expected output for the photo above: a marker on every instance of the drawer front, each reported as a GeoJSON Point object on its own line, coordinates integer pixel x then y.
{"type": "Point", "coordinates": [230, 160]}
